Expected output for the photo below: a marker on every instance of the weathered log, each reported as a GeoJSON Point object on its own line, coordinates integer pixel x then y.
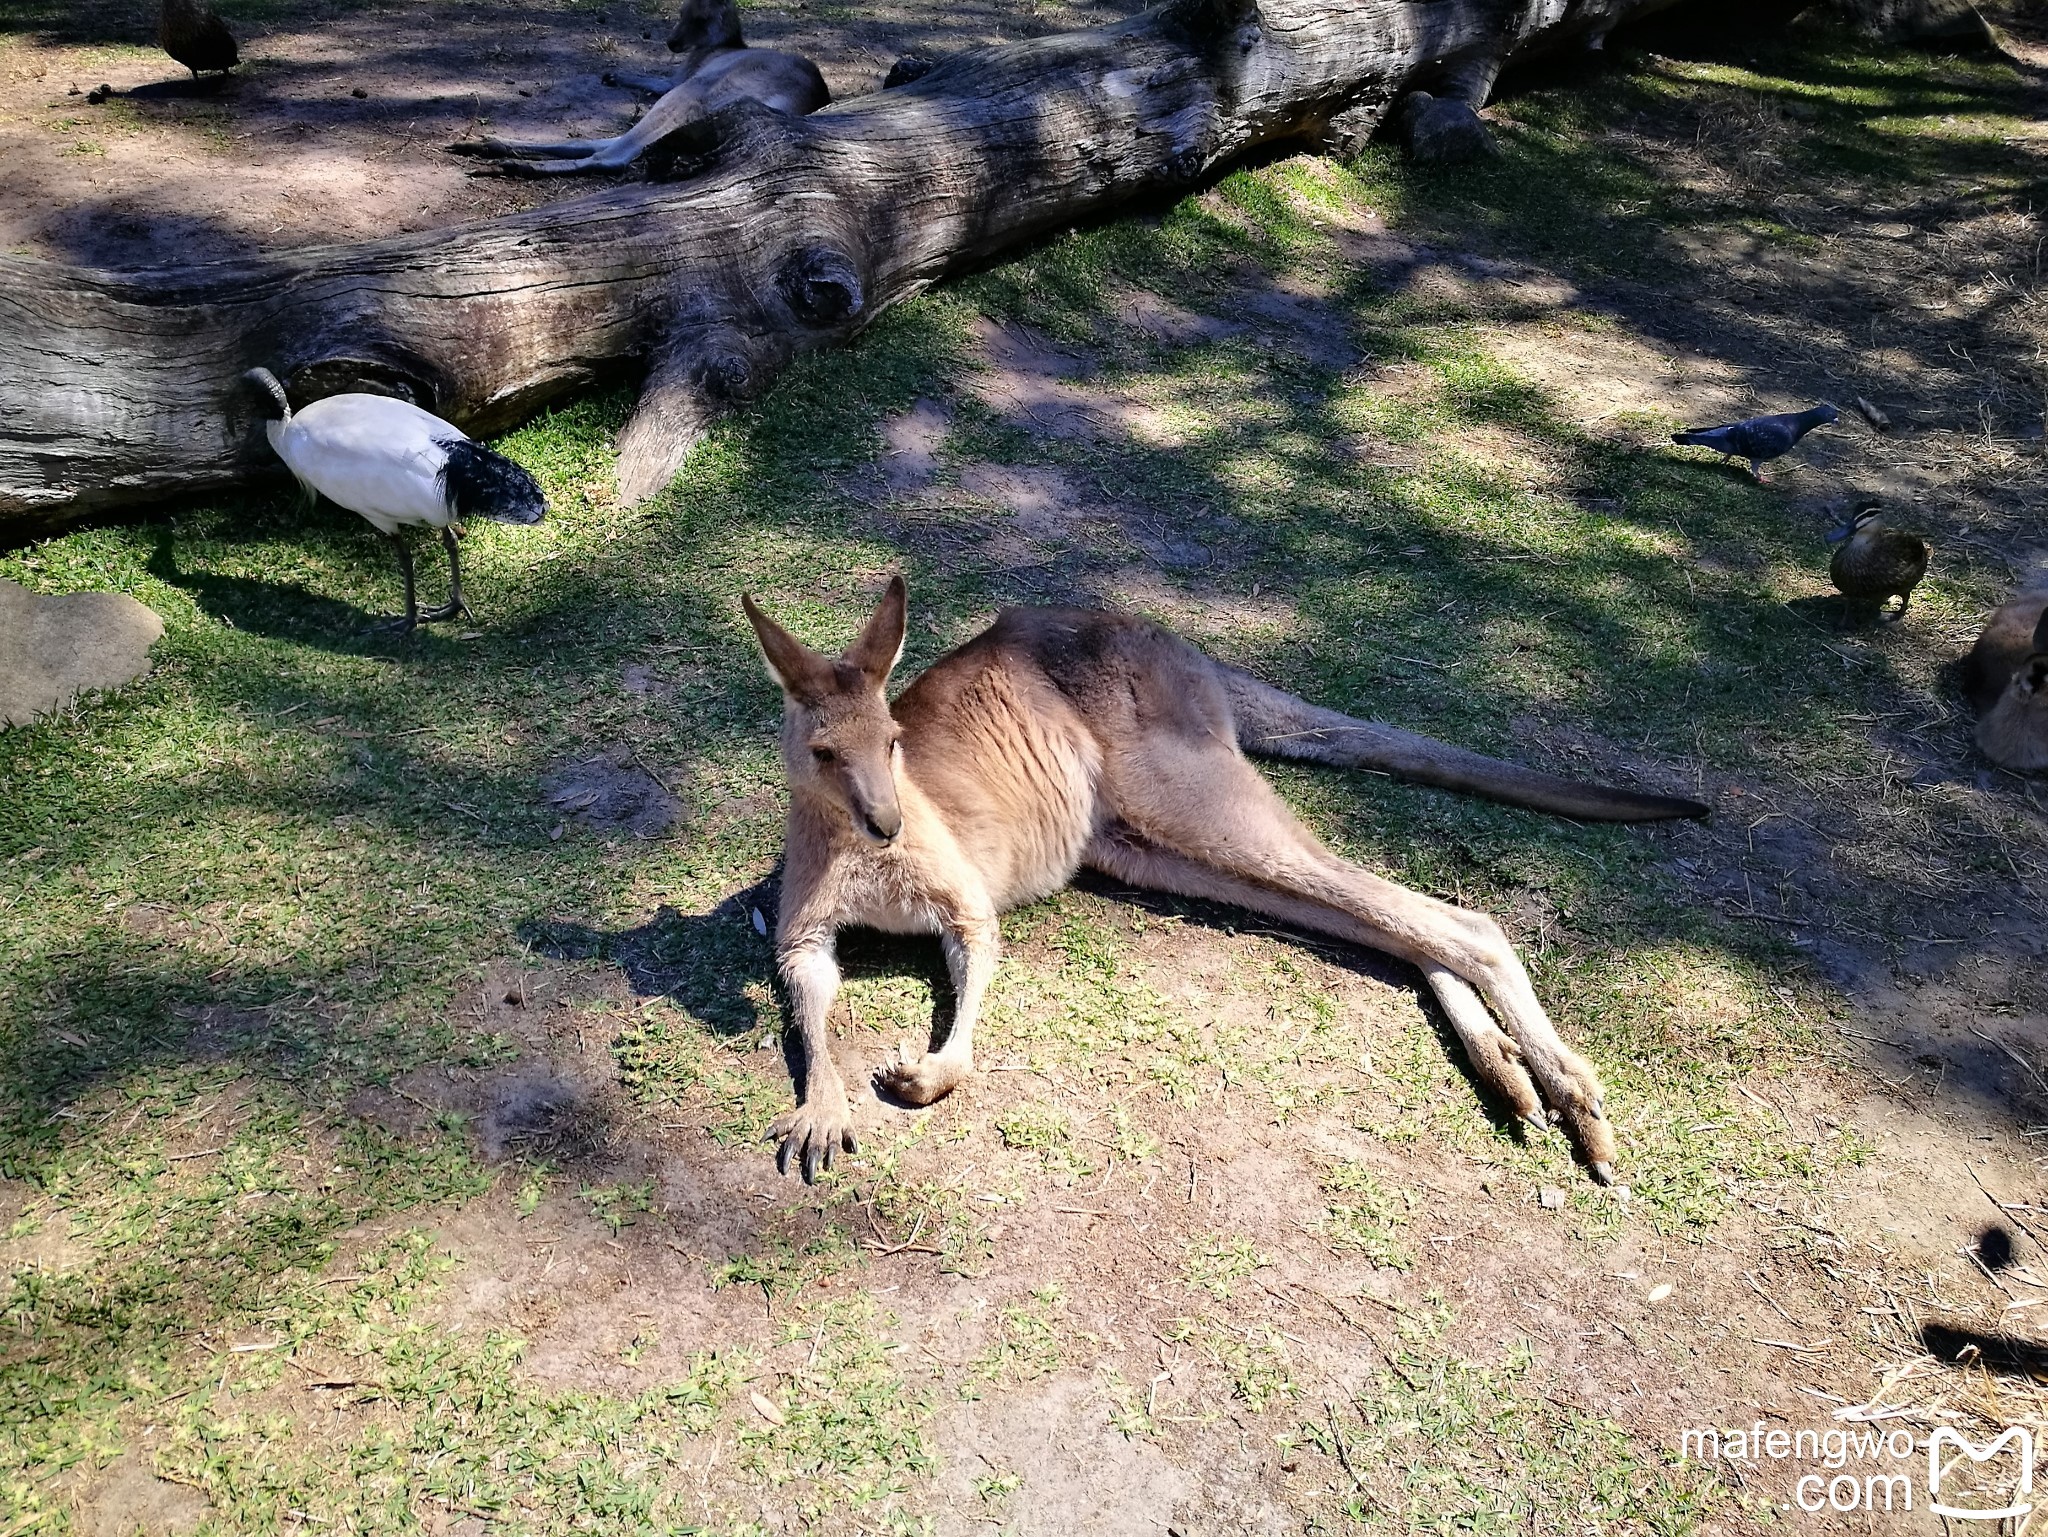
{"type": "Point", "coordinates": [1956, 23]}
{"type": "Point", "coordinates": [773, 235]}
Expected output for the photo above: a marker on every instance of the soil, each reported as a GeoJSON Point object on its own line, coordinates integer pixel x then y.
{"type": "Point", "coordinates": [332, 129]}
{"type": "Point", "coordinates": [1795, 1306]}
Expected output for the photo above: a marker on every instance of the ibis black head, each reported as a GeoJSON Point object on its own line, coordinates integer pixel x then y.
{"type": "Point", "coordinates": [480, 484]}
{"type": "Point", "coordinates": [273, 392]}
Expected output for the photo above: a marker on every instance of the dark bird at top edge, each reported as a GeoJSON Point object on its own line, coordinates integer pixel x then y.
{"type": "Point", "coordinates": [192, 34]}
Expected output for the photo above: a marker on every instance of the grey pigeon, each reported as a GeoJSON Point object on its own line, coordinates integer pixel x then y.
{"type": "Point", "coordinates": [1760, 437]}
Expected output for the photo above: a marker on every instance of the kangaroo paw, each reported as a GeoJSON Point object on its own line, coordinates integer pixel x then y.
{"type": "Point", "coordinates": [812, 1134]}
{"type": "Point", "coordinates": [921, 1080]}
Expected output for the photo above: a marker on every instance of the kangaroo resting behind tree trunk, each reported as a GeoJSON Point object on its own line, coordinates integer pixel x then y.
{"type": "Point", "coordinates": [719, 70]}
{"type": "Point", "coordinates": [1060, 738]}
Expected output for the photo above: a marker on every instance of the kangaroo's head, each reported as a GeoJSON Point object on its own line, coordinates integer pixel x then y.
{"type": "Point", "coordinates": [2014, 731]}
{"type": "Point", "coordinates": [706, 26]}
{"type": "Point", "coordinates": [839, 741]}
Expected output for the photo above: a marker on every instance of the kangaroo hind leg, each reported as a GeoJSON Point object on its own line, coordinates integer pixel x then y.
{"type": "Point", "coordinates": [1212, 827]}
{"type": "Point", "coordinates": [1496, 1059]}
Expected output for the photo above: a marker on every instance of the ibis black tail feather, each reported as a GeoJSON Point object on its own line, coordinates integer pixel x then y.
{"type": "Point", "coordinates": [1275, 724]}
{"type": "Point", "coordinates": [480, 484]}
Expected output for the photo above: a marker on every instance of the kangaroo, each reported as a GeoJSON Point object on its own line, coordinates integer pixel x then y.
{"type": "Point", "coordinates": [2006, 676]}
{"type": "Point", "coordinates": [1059, 738]}
{"type": "Point", "coordinates": [719, 70]}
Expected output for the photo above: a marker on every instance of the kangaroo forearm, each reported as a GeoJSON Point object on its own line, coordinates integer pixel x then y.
{"type": "Point", "coordinates": [971, 953]}
{"type": "Point", "coordinates": [812, 976]}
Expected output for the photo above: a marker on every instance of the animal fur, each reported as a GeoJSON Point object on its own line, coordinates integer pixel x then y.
{"type": "Point", "coordinates": [1063, 738]}
{"type": "Point", "coordinates": [2006, 677]}
{"type": "Point", "coordinates": [719, 70]}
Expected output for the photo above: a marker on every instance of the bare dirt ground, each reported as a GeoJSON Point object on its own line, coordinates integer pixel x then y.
{"type": "Point", "coordinates": [1813, 1295]}
{"type": "Point", "coordinates": [333, 127]}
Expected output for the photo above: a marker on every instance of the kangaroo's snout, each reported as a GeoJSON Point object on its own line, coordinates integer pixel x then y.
{"type": "Point", "coordinates": [871, 800]}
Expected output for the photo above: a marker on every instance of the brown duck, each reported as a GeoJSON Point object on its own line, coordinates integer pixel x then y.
{"type": "Point", "coordinates": [1875, 562]}
{"type": "Point", "coordinates": [196, 38]}
{"type": "Point", "coordinates": [2006, 677]}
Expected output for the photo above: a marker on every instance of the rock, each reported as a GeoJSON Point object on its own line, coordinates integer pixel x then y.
{"type": "Point", "coordinates": [1550, 1198]}
{"type": "Point", "coordinates": [1440, 131]}
{"type": "Point", "coordinates": [53, 649]}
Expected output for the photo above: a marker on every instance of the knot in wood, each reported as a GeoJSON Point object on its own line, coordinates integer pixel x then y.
{"type": "Point", "coordinates": [821, 286]}
{"type": "Point", "coordinates": [723, 375]}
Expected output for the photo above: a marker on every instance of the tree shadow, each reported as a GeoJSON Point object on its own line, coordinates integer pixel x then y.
{"type": "Point", "coordinates": [706, 963]}
{"type": "Point", "coordinates": [281, 610]}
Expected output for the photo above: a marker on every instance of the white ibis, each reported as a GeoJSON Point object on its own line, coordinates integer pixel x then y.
{"type": "Point", "coordinates": [395, 466]}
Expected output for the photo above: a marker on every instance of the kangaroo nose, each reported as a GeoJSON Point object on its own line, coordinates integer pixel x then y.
{"type": "Point", "coordinates": [883, 826]}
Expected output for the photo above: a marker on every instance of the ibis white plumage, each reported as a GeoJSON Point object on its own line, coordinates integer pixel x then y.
{"type": "Point", "coordinates": [396, 466]}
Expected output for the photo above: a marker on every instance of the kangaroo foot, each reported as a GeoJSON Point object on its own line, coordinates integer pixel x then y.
{"type": "Point", "coordinates": [1497, 1062]}
{"type": "Point", "coordinates": [813, 1134]}
{"type": "Point", "coordinates": [920, 1080]}
{"type": "Point", "coordinates": [1572, 1090]}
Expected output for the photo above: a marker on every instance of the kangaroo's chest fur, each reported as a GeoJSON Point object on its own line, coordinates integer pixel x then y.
{"type": "Point", "coordinates": [999, 791]}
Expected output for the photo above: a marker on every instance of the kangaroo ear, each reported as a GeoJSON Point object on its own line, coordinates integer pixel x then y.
{"type": "Point", "coordinates": [800, 670]}
{"type": "Point", "coordinates": [2041, 631]}
{"type": "Point", "coordinates": [881, 643]}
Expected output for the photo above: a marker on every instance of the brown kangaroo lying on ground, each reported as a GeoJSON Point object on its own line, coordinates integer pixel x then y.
{"type": "Point", "coordinates": [1059, 738]}
{"type": "Point", "coordinates": [2006, 676]}
{"type": "Point", "coordinates": [719, 70]}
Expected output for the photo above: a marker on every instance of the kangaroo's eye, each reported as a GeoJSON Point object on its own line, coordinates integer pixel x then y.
{"type": "Point", "coordinates": [822, 755]}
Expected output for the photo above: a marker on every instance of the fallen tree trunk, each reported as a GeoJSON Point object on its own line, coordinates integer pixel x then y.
{"type": "Point", "coordinates": [777, 235]}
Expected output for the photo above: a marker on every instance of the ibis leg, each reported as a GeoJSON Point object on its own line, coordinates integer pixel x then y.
{"type": "Point", "coordinates": [411, 617]}
{"type": "Point", "coordinates": [454, 605]}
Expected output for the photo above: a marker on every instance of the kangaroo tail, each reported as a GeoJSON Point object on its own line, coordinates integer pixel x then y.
{"type": "Point", "coordinates": [266, 381]}
{"type": "Point", "coordinates": [1275, 724]}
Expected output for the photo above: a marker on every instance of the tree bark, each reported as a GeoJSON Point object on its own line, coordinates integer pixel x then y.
{"type": "Point", "coordinates": [760, 237]}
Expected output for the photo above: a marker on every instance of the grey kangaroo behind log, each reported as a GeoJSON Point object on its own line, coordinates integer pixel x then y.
{"type": "Point", "coordinates": [719, 70]}
{"type": "Point", "coordinates": [1060, 738]}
